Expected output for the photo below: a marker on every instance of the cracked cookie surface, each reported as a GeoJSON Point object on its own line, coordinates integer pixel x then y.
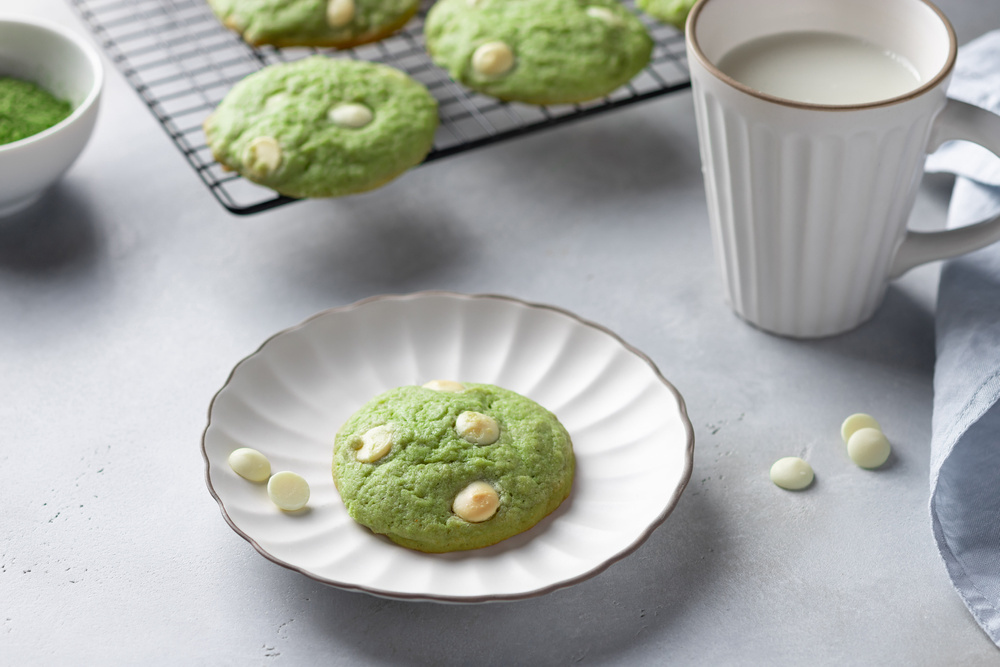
{"type": "Point", "coordinates": [538, 51]}
{"type": "Point", "coordinates": [454, 469]}
{"type": "Point", "coordinates": [323, 127]}
{"type": "Point", "coordinates": [331, 23]}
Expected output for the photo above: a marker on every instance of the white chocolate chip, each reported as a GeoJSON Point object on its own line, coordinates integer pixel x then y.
{"type": "Point", "coordinates": [857, 421]}
{"type": "Point", "coordinates": [492, 59]}
{"type": "Point", "coordinates": [375, 444]}
{"type": "Point", "coordinates": [868, 447]}
{"type": "Point", "coordinates": [275, 101]}
{"type": "Point", "coordinates": [477, 428]}
{"type": "Point", "coordinates": [604, 14]}
{"type": "Point", "coordinates": [263, 155]}
{"type": "Point", "coordinates": [235, 22]}
{"type": "Point", "coordinates": [339, 13]}
{"type": "Point", "coordinates": [288, 491]}
{"type": "Point", "coordinates": [445, 385]}
{"type": "Point", "coordinates": [250, 464]}
{"type": "Point", "coordinates": [792, 473]}
{"type": "Point", "coordinates": [350, 115]}
{"type": "Point", "coordinates": [477, 502]}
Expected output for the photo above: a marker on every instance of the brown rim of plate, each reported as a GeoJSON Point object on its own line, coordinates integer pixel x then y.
{"type": "Point", "coordinates": [643, 536]}
{"type": "Point", "coordinates": [692, 41]}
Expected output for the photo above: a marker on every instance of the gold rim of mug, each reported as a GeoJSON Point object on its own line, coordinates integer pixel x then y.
{"type": "Point", "coordinates": [949, 64]}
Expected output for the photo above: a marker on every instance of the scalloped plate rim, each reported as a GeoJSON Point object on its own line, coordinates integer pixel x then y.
{"type": "Point", "coordinates": [544, 590]}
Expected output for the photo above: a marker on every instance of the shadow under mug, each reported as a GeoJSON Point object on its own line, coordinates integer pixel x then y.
{"type": "Point", "coordinates": [809, 203]}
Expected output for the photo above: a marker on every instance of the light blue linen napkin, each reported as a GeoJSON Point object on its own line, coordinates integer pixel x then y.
{"type": "Point", "coordinates": [965, 447]}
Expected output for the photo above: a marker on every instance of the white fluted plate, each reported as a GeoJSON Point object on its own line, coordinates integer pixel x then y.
{"type": "Point", "coordinates": [631, 435]}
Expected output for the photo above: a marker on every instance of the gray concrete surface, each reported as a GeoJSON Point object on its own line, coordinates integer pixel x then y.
{"type": "Point", "coordinates": [128, 294]}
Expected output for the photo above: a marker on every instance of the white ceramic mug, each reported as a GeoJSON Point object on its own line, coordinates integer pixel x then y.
{"type": "Point", "coordinates": [809, 203]}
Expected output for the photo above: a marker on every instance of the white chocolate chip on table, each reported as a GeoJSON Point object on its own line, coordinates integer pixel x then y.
{"type": "Point", "coordinates": [857, 421]}
{"type": "Point", "coordinates": [250, 464]}
{"type": "Point", "coordinates": [263, 155]}
{"type": "Point", "coordinates": [445, 385]}
{"type": "Point", "coordinates": [339, 13]}
{"type": "Point", "coordinates": [492, 59]}
{"type": "Point", "coordinates": [288, 490]}
{"type": "Point", "coordinates": [792, 473]}
{"type": "Point", "coordinates": [350, 115]}
{"type": "Point", "coordinates": [477, 502]}
{"type": "Point", "coordinates": [866, 444]}
{"type": "Point", "coordinates": [477, 428]}
{"type": "Point", "coordinates": [375, 443]}
{"type": "Point", "coordinates": [868, 447]}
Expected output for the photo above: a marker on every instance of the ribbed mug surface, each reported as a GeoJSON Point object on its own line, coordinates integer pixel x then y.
{"type": "Point", "coordinates": [807, 207]}
{"type": "Point", "coordinates": [809, 202]}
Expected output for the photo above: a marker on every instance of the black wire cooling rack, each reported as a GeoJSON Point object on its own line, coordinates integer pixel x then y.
{"type": "Point", "coordinates": [182, 61]}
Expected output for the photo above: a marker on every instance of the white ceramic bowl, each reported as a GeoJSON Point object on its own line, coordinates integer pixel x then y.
{"type": "Point", "coordinates": [69, 68]}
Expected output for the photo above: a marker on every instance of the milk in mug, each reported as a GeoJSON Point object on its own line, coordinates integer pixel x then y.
{"type": "Point", "coordinates": [820, 68]}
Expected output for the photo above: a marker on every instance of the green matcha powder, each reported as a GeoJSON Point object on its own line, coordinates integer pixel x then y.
{"type": "Point", "coordinates": [26, 109]}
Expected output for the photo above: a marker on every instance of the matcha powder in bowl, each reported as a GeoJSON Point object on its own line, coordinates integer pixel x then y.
{"type": "Point", "coordinates": [26, 109]}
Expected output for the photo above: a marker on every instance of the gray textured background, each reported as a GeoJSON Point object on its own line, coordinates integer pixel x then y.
{"type": "Point", "coordinates": [128, 295]}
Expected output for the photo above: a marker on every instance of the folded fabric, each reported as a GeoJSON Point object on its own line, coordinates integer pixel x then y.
{"type": "Point", "coordinates": [965, 447]}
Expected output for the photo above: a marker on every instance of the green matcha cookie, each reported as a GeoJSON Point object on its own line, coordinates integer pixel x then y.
{"type": "Point", "coordinates": [450, 466]}
{"type": "Point", "coordinates": [338, 23]}
{"type": "Point", "coordinates": [674, 12]}
{"type": "Point", "coordinates": [538, 51]}
{"type": "Point", "coordinates": [323, 127]}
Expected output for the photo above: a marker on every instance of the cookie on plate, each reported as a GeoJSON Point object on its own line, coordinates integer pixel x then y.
{"type": "Point", "coordinates": [673, 12]}
{"type": "Point", "coordinates": [337, 23]}
{"type": "Point", "coordinates": [323, 127]}
{"type": "Point", "coordinates": [538, 51]}
{"type": "Point", "coordinates": [451, 466]}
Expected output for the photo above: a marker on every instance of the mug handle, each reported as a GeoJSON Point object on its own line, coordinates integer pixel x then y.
{"type": "Point", "coordinates": [957, 120]}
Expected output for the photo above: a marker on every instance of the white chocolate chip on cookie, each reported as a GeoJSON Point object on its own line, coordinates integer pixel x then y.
{"type": "Point", "coordinates": [476, 503]}
{"type": "Point", "coordinates": [477, 428]}
{"type": "Point", "coordinates": [250, 464]}
{"type": "Point", "coordinates": [350, 115]}
{"type": "Point", "coordinates": [237, 23]}
{"type": "Point", "coordinates": [288, 491]}
{"type": "Point", "coordinates": [263, 155]}
{"type": "Point", "coordinates": [339, 13]}
{"type": "Point", "coordinates": [445, 385]}
{"type": "Point", "coordinates": [275, 101]}
{"type": "Point", "coordinates": [492, 59]}
{"type": "Point", "coordinates": [604, 14]}
{"type": "Point", "coordinates": [375, 444]}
